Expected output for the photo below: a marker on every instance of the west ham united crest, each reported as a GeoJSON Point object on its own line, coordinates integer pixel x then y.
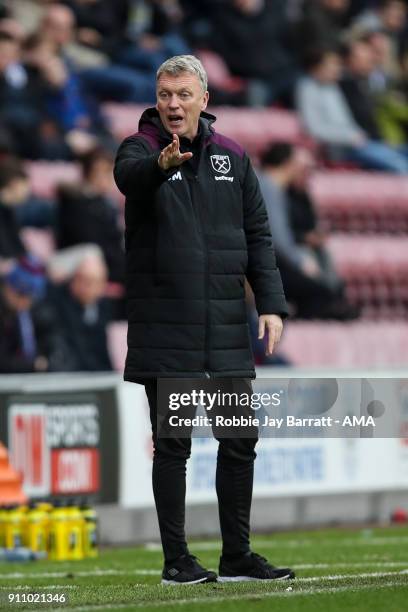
{"type": "Point", "coordinates": [221, 163]}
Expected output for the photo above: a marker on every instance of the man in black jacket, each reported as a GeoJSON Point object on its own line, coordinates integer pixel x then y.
{"type": "Point", "coordinates": [196, 226]}
{"type": "Point", "coordinates": [14, 188]}
{"type": "Point", "coordinates": [260, 30]}
{"type": "Point", "coordinates": [87, 214]}
{"type": "Point", "coordinates": [355, 83]}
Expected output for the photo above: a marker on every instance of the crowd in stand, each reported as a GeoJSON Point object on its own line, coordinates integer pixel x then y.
{"type": "Point", "coordinates": [341, 65]}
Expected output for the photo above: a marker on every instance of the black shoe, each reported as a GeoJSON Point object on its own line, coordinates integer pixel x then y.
{"type": "Point", "coordinates": [186, 570]}
{"type": "Point", "coordinates": [252, 567]}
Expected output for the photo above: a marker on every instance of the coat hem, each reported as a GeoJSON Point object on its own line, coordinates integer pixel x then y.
{"type": "Point", "coordinates": [140, 377]}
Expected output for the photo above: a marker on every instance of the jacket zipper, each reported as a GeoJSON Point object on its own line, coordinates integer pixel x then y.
{"type": "Point", "coordinates": [206, 285]}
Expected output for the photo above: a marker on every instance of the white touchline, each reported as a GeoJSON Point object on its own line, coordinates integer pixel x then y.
{"type": "Point", "coordinates": [351, 564]}
{"type": "Point", "coordinates": [142, 572]}
{"type": "Point", "coordinates": [146, 572]}
{"type": "Point", "coordinates": [353, 576]}
{"type": "Point", "coordinates": [30, 587]}
{"type": "Point", "coordinates": [357, 541]}
{"type": "Point", "coordinates": [215, 599]}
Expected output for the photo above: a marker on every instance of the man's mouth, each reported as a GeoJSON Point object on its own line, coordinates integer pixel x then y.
{"type": "Point", "coordinates": [175, 120]}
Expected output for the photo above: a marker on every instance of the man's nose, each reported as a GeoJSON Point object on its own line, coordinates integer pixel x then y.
{"type": "Point", "coordinates": [174, 102]}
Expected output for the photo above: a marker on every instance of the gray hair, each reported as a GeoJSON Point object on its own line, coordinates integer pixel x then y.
{"type": "Point", "coordinates": [184, 63]}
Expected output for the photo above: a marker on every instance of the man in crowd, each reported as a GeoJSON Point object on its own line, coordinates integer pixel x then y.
{"type": "Point", "coordinates": [328, 118]}
{"type": "Point", "coordinates": [14, 189]}
{"type": "Point", "coordinates": [30, 340]}
{"type": "Point", "coordinates": [260, 30]}
{"type": "Point", "coordinates": [196, 225]}
{"type": "Point", "coordinates": [87, 214]}
{"type": "Point", "coordinates": [83, 315]}
{"type": "Point", "coordinates": [311, 283]}
{"type": "Point", "coordinates": [356, 86]}
{"type": "Point", "coordinates": [321, 24]}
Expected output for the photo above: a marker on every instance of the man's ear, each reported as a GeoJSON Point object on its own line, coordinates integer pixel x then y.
{"type": "Point", "coordinates": [205, 101]}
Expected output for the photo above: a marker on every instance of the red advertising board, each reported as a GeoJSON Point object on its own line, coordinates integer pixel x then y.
{"type": "Point", "coordinates": [74, 470]}
{"type": "Point", "coordinates": [56, 448]}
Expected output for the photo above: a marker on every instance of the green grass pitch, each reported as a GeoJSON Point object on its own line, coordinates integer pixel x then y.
{"type": "Point", "coordinates": [363, 570]}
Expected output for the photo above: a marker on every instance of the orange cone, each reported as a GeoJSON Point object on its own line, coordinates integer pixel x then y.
{"type": "Point", "coordinates": [11, 490]}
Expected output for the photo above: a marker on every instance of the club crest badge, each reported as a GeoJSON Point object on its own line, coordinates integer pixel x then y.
{"type": "Point", "coordinates": [221, 163]}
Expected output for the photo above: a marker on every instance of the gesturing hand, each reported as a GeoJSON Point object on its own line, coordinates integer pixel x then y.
{"type": "Point", "coordinates": [274, 325]}
{"type": "Point", "coordinates": [171, 156]}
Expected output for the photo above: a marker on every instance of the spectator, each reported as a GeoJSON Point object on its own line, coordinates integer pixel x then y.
{"type": "Point", "coordinates": [19, 207]}
{"type": "Point", "coordinates": [101, 24]}
{"type": "Point", "coordinates": [109, 82]}
{"type": "Point", "coordinates": [387, 24]}
{"type": "Point", "coordinates": [69, 106]}
{"type": "Point", "coordinates": [321, 25]}
{"type": "Point", "coordinates": [314, 292]}
{"type": "Point", "coordinates": [83, 315]}
{"type": "Point", "coordinates": [20, 100]}
{"type": "Point", "coordinates": [66, 127]}
{"type": "Point", "coordinates": [388, 69]}
{"type": "Point", "coordinates": [29, 338]}
{"type": "Point", "coordinates": [259, 29]}
{"type": "Point", "coordinates": [356, 86]}
{"type": "Point", "coordinates": [389, 88]}
{"type": "Point", "coordinates": [305, 225]}
{"type": "Point", "coordinates": [153, 34]}
{"type": "Point", "coordinates": [86, 213]}
{"type": "Point", "coordinates": [328, 118]}
{"type": "Point", "coordinates": [388, 15]}
{"type": "Point", "coordinates": [13, 192]}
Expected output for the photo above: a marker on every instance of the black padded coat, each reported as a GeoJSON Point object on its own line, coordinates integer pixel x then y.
{"type": "Point", "coordinates": [192, 236]}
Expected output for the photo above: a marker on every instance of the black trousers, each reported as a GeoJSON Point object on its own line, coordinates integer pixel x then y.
{"type": "Point", "coordinates": [234, 484]}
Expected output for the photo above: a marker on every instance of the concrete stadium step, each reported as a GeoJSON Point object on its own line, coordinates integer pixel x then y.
{"type": "Point", "coordinates": [375, 269]}
{"type": "Point", "coordinates": [361, 344]}
{"type": "Point", "coordinates": [361, 201]}
{"type": "Point", "coordinates": [379, 256]}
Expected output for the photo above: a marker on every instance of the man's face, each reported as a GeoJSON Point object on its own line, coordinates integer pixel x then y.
{"type": "Point", "coordinates": [180, 100]}
{"type": "Point", "coordinates": [89, 283]}
{"type": "Point", "coordinates": [394, 15]}
{"type": "Point", "coordinates": [361, 61]}
{"type": "Point", "coordinates": [15, 193]}
{"type": "Point", "coordinates": [58, 25]}
{"type": "Point", "coordinates": [329, 70]}
{"type": "Point", "coordinates": [381, 47]}
{"type": "Point", "coordinates": [304, 166]}
{"type": "Point", "coordinates": [9, 53]}
{"type": "Point", "coordinates": [337, 6]}
{"type": "Point", "coordinates": [101, 176]}
{"type": "Point", "coordinates": [249, 7]}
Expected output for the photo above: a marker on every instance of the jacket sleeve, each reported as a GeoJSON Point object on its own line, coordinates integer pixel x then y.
{"type": "Point", "coordinates": [137, 169]}
{"type": "Point", "coordinates": [262, 273]}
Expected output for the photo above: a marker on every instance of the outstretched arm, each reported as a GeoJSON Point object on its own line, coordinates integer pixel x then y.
{"type": "Point", "coordinates": [138, 169]}
{"type": "Point", "coordinates": [171, 157]}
